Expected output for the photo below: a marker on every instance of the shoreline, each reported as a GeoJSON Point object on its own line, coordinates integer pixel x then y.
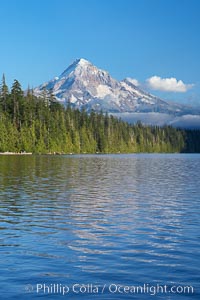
{"type": "Point", "coordinates": [85, 154]}
{"type": "Point", "coordinates": [16, 153]}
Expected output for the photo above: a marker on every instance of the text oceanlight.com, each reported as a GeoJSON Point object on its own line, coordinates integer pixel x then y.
{"type": "Point", "coordinates": [112, 288]}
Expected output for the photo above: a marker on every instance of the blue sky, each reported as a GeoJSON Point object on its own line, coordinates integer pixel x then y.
{"type": "Point", "coordinates": [149, 40]}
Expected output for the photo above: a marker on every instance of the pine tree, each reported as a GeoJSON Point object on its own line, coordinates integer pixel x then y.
{"type": "Point", "coordinates": [4, 94]}
{"type": "Point", "coordinates": [17, 101]}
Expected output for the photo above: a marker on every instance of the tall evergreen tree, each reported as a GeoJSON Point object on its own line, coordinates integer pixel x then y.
{"type": "Point", "coordinates": [17, 101]}
{"type": "Point", "coordinates": [4, 94]}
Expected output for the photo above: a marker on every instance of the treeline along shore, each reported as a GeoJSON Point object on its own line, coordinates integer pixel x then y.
{"type": "Point", "coordinates": [30, 124]}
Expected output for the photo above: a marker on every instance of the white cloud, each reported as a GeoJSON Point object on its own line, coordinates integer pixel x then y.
{"type": "Point", "coordinates": [133, 81]}
{"type": "Point", "coordinates": [168, 84]}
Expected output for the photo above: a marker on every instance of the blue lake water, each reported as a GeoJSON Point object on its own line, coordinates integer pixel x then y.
{"type": "Point", "coordinates": [99, 226]}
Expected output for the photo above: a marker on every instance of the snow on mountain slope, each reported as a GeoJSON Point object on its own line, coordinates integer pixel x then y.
{"type": "Point", "coordinates": [85, 86]}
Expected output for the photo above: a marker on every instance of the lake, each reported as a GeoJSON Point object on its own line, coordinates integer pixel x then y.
{"type": "Point", "coordinates": [100, 227]}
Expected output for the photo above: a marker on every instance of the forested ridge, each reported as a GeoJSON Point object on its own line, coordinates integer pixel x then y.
{"type": "Point", "coordinates": [42, 125]}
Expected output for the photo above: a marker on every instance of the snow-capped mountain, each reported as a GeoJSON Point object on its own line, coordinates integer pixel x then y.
{"type": "Point", "coordinates": [85, 86]}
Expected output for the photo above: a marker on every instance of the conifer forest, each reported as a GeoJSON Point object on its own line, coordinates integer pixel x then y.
{"type": "Point", "coordinates": [43, 125]}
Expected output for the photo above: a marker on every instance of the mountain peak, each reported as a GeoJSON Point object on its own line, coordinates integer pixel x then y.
{"type": "Point", "coordinates": [82, 62]}
{"type": "Point", "coordinates": [79, 63]}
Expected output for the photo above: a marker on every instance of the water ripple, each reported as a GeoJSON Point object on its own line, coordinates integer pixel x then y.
{"type": "Point", "coordinates": [128, 219]}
